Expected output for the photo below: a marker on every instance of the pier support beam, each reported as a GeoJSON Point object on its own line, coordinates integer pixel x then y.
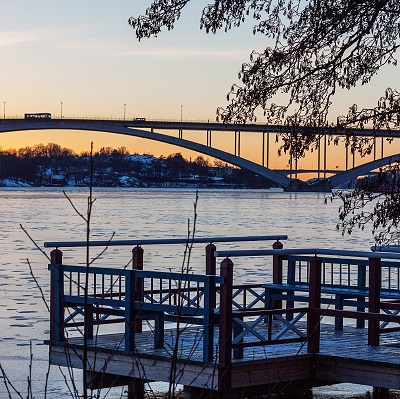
{"type": "Point", "coordinates": [136, 389]}
{"type": "Point", "coordinates": [190, 392]}
{"type": "Point", "coordinates": [380, 393]}
{"type": "Point", "coordinates": [287, 391]}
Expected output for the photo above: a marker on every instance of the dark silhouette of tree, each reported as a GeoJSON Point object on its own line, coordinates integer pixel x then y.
{"type": "Point", "coordinates": [176, 165]}
{"type": "Point", "coordinates": [9, 164]}
{"type": "Point", "coordinates": [37, 165]}
{"type": "Point", "coordinates": [316, 48]}
{"type": "Point", "coordinates": [376, 202]}
{"type": "Point", "coordinates": [201, 166]}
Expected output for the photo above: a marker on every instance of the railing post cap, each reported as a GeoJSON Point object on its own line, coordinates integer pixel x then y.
{"type": "Point", "coordinates": [138, 248]}
{"type": "Point", "coordinates": [55, 250]}
{"type": "Point", "coordinates": [226, 262]}
{"type": "Point", "coordinates": [56, 256]}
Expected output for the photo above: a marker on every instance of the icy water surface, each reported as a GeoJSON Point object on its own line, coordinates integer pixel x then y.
{"type": "Point", "coordinates": [135, 213]}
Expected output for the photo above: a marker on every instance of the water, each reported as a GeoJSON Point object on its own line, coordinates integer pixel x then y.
{"type": "Point", "coordinates": [136, 213]}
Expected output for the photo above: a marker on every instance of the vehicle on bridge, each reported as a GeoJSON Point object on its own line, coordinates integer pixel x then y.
{"type": "Point", "coordinates": [40, 115]}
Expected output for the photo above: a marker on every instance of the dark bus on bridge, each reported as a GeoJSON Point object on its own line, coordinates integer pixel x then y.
{"type": "Point", "coordinates": [40, 115]}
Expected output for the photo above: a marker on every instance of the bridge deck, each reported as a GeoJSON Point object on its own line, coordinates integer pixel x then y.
{"type": "Point", "coordinates": [140, 128]}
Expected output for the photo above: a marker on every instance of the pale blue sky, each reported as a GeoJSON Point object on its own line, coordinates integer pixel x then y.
{"type": "Point", "coordinates": [85, 55]}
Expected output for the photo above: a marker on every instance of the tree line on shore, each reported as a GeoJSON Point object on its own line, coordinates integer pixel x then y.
{"type": "Point", "coordinates": [50, 164]}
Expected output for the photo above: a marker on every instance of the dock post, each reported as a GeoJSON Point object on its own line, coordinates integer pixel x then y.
{"type": "Point", "coordinates": [313, 319]}
{"type": "Point", "coordinates": [130, 312]}
{"type": "Point", "coordinates": [209, 319]}
{"type": "Point", "coordinates": [277, 272]}
{"type": "Point", "coordinates": [56, 297]}
{"type": "Point", "coordinates": [211, 262]}
{"type": "Point", "coordinates": [361, 283]}
{"type": "Point", "coordinates": [88, 320]}
{"type": "Point", "coordinates": [374, 305]}
{"type": "Point", "coordinates": [137, 264]}
{"type": "Point", "coordinates": [209, 304]}
{"type": "Point", "coordinates": [225, 326]}
{"type": "Point", "coordinates": [291, 275]}
{"type": "Point", "coordinates": [136, 387]}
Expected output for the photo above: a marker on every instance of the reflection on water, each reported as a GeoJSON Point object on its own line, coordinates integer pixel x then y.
{"type": "Point", "coordinates": [132, 214]}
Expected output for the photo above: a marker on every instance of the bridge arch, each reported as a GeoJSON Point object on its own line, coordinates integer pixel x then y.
{"type": "Point", "coordinates": [118, 128]}
{"type": "Point", "coordinates": [364, 169]}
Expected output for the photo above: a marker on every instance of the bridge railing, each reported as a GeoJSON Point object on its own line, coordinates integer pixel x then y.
{"type": "Point", "coordinates": [111, 118]}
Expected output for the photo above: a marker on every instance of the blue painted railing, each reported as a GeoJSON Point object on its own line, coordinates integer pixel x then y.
{"type": "Point", "coordinates": [163, 241]}
{"type": "Point", "coordinates": [111, 297]}
{"type": "Point", "coordinates": [357, 280]}
{"type": "Point", "coordinates": [361, 283]}
{"type": "Point", "coordinates": [116, 296]}
{"type": "Point", "coordinates": [361, 286]}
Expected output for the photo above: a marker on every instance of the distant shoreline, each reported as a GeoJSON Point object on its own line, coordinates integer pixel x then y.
{"type": "Point", "coordinates": [8, 183]}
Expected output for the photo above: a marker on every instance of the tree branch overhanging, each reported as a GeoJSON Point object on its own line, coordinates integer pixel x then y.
{"type": "Point", "coordinates": [315, 48]}
{"type": "Point", "coordinates": [319, 47]}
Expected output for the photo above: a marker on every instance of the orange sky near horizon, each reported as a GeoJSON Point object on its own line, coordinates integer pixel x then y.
{"type": "Point", "coordinates": [86, 59]}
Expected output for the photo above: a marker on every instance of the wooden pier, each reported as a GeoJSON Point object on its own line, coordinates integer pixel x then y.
{"type": "Point", "coordinates": [325, 317]}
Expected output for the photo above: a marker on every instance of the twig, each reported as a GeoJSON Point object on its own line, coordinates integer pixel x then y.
{"type": "Point", "coordinates": [9, 384]}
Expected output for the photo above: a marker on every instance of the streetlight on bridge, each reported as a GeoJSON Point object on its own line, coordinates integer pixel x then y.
{"type": "Point", "coordinates": [4, 110]}
{"type": "Point", "coordinates": [124, 110]}
{"type": "Point", "coordinates": [181, 112]}
{"type": "Point", "coordinates": [61, 109]}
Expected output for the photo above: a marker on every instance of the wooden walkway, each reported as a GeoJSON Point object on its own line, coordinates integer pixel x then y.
{"type": "Point", "coordinates": [344, 357]}
{"type": "Point", "coordinates": [319, 321]}
{"type": "Point", "coordinates": [351, 343]}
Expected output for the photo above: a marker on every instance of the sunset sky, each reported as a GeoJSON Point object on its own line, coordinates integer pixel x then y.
{"type": "Point", "coordinates": [85, 55]}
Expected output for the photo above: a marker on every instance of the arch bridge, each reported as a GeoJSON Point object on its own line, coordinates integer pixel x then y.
{"type": "Point", "coordinates": [140, 127]}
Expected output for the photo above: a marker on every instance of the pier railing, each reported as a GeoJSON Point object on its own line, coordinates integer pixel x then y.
{"type": "Point", "coordinates": [307, 287]}
{"type": "Point", "coordinates": [128, 297]}
{"type": "Point", "coordinates": [340, 284]}
{"type": "Point", "coordinates": [112, 297]}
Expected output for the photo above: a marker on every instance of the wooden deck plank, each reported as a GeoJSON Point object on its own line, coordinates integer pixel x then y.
{"type": "Point", "coordinates": [344, 357]}
{"type": "Point", "coordinates": [349, 343]}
